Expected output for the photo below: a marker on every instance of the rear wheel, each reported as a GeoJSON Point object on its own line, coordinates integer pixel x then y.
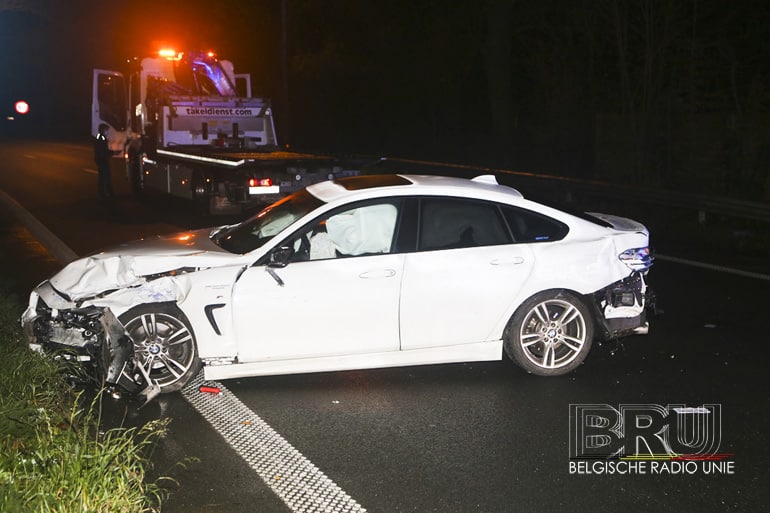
{"type": "Point", "coordinates": [550, 334]}
{"type": "Point", "coordinates": [134, 171]}
{"type": "Point", "coordinates": [164, 345]}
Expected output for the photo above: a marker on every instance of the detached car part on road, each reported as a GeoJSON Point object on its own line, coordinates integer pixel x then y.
{"type": "Point", "coordinates": [359, 272]}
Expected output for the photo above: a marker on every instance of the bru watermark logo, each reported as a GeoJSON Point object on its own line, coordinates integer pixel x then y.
{"type": "Point", "coordinates": [647, 439]}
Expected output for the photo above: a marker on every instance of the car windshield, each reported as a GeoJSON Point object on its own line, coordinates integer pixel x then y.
{"type": "Point", "coordinates": [256, 231]}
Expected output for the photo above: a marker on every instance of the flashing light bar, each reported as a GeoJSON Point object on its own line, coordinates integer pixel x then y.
{"type": "Point", "coordinates": [170, 54]}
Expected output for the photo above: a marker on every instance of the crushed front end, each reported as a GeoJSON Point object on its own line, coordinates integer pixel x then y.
{"type": "Point", "coordinates": [90, 337]}
{"type": "Point", "coordinates": [75, 334]}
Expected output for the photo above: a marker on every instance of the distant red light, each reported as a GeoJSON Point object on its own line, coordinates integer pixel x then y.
{"type": "Point", "coordinates": [22, 107]}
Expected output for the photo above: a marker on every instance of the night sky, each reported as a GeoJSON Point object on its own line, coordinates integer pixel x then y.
{"type": "Point", "coordinates": [671, 93]}
{"type": "Point", "coordinates": [52, 46]}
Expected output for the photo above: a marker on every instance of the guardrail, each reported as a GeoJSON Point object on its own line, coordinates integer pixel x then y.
{"type": "Point", "coordinates": [702, 204]}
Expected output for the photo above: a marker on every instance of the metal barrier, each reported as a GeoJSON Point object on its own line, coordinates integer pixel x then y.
{"type": "Point", "coordinates": [759, 211]}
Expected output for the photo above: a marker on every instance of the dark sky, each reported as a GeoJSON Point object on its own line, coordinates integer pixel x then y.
{"type": "Point", "coordinates": [643, 91]}
{"type": "Point", "coordinates": [51, 46]}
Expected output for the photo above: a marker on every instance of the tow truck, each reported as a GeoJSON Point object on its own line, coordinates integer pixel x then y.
{"type": "Point", "coordinates": [188, 125]}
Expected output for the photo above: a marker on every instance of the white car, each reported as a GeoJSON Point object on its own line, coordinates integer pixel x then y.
{"type": "Point", "coordinates": [359, 272]}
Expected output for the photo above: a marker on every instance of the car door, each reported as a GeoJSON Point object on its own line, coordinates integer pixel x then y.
{"type": "Point", "coordinates": [338, 294]}
{"type": "Point", "coordinates": [463, 276]}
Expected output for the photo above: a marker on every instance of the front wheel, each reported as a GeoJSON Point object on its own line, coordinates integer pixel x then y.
{"type": "Point", "coordinates": [550, 334]}
{"type": "Point", "coordinates": [164, 346]}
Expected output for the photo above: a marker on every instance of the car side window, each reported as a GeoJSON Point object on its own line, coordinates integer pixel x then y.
{"type": "Point", "coordinates": [528, 226]}
{"type": "Point", "coordinates": [449, 223]}
{"type": "Point", "coordinates": [361, 230]}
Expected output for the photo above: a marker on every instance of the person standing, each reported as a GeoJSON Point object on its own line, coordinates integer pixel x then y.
{"type": "Point", "coordinates": [102, 156]}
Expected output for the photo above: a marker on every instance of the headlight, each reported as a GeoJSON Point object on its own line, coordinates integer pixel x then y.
{"type": "Point", "coordinates": [637, 259]}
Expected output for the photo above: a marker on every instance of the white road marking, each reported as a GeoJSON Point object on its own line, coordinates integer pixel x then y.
{"type": "Point", "coordinates": [294, 478]}
{"type": "Point", "coordinates": [92, 171]}
{"type": "Point", "coordinates": [712, 267]}
{"type": "Point", "coordinates": [53, 244]}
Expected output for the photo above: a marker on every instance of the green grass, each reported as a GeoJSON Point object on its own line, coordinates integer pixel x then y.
{"type": "Point", "coordinates": [53, 456]}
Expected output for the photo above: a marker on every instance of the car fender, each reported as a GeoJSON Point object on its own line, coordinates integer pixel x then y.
{"type": "Point", "coordinates": [208, 308]}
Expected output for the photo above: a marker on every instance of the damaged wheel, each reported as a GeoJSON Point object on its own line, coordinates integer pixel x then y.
{"type": "Point", "coordinates": [164, 346]}
{"type": "Point", "coordinates": [550, 334]}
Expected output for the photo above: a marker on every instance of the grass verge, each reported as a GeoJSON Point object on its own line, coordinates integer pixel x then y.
{"type": "Point", "coordinates": [53, 456]}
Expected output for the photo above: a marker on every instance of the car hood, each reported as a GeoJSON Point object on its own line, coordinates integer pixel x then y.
{"type": "Point", "coordinates": [134, 262]}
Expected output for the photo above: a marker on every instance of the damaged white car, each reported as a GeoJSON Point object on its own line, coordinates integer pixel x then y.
{"type": "Point", "coordinates": [359, 272]}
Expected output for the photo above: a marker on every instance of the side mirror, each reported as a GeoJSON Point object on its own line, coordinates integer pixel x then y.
{"type": "Point", "coordinates": [280, 257]}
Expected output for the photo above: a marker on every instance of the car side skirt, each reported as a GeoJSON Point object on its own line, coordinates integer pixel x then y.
{"type": "Point", "coordinates": [483, 351]}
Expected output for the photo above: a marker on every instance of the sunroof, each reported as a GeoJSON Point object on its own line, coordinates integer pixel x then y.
{"type": "Point", "coordinates": [357, 183]}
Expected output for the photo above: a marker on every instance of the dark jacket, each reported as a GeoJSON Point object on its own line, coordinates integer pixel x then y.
{"type": "Point", "coordinates": [102, 153]}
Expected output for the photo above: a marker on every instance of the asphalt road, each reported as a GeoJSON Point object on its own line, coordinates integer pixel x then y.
{"type": "Point", "coordinates": [451, 438]}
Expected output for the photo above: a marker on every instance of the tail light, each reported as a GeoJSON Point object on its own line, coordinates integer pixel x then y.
{"type": "Point", "coordinates": [637, 259]}
{"type": "Point", "coordinates": [260, 182]}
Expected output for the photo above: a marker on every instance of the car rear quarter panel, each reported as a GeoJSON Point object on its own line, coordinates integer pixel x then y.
{"type": "Point", "coordinates": [584, 262]}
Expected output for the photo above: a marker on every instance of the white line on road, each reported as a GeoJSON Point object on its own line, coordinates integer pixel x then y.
{"type": "Point", "coordinates": [294, 478]}
{"type": "Point", "coordinates": [92, 171]}
{"type": "Point", "coordinates": [60, 251]}
{"type": "Point", "coordinates": [712, 267]}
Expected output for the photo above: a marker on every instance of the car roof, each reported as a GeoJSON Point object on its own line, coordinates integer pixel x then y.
{"type": "Point", "coordinates": [484, 186]}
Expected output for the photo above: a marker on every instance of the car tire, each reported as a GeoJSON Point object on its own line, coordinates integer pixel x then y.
{"type": "Point", "coordinates": [550, 334]}
{"type": "Point", "coordinates": [164, 345]}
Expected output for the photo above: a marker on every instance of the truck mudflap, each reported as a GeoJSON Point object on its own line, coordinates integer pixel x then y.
{"type": "Point", "coordinates": [621, 308]}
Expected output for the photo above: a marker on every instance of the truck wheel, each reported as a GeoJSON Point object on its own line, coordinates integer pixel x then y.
{"type": "Point", "coordinates": [164, 345]}
{"type": "Point", "coordinates": [550, 334]}
{"type": "Point", "coordinates": [134, 172]}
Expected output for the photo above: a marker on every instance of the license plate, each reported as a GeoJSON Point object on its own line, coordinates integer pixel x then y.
{"type": "Point", "coordinates": [273, 189]}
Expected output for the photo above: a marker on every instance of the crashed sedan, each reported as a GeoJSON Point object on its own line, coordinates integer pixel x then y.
{"type": "Point", "coordinates": [358, 272]}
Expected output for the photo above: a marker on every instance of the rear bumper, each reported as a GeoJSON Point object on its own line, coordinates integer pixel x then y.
{"type": "Point", "coordinates": [621, 308]}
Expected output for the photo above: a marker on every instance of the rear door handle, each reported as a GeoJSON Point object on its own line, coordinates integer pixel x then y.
{"type": "Point", "coordinates": [507, 261]}
{"type": "Point", "coordinates": [384, 273]}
